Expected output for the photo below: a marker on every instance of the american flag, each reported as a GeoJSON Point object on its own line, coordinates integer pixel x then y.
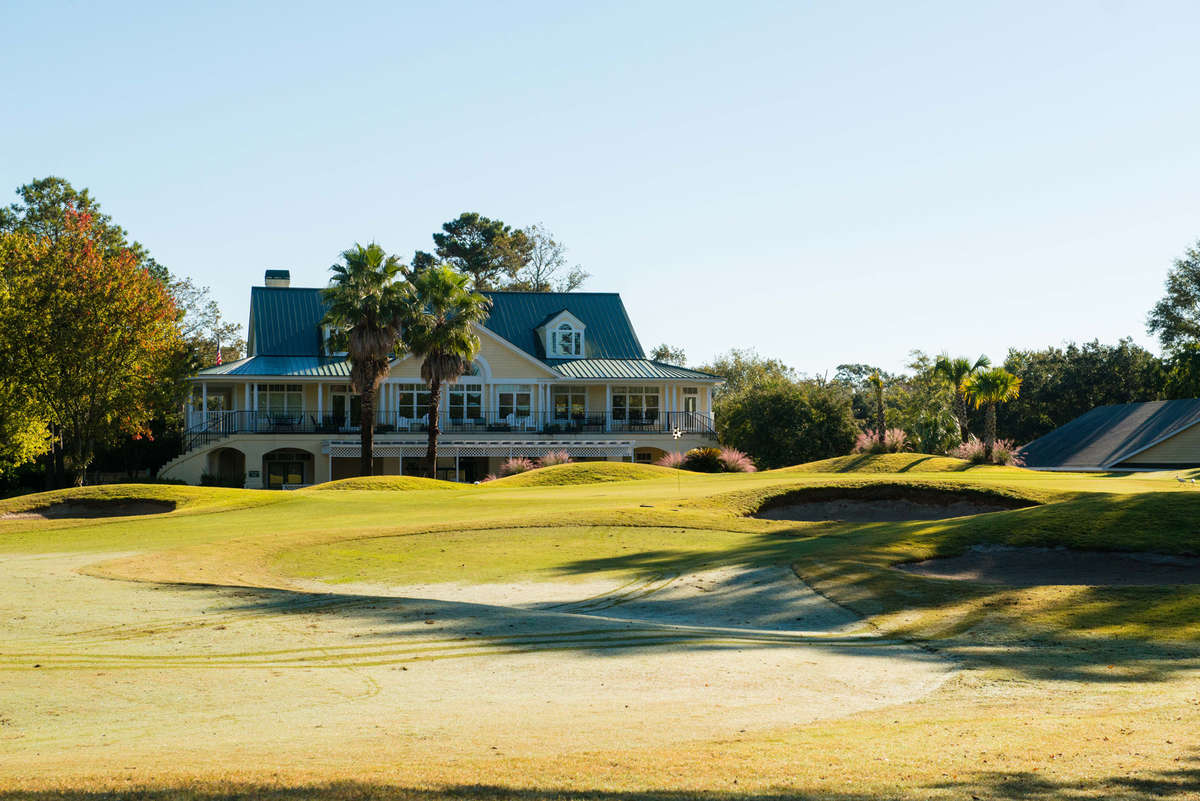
{"type": "Point", "coordinates": [218, 351]}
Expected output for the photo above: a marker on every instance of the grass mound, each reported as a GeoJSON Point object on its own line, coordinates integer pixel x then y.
{"type": "Point", "coordinates": [867, 487]}
{"type": "Point", "coordinates": [584, 473]}
{"type": "Point", "coordinates": [387, 484]}
{"type": "Point", "coordinates": [113, 496]}
{"type": "Point", "coordinates": [882, 463]}
{"type": "Point", "coordinates": [1162, 522]}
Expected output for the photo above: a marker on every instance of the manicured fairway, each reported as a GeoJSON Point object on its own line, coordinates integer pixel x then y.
{"type": "Point", "coordinates": [595, 632]}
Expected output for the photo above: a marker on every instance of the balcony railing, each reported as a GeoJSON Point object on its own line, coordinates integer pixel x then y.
{"type": "Point", "coordinates": [215, 425]}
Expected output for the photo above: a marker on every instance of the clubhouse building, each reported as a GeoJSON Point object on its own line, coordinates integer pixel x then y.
{"type": "Point", "coordinates": [556, 372]}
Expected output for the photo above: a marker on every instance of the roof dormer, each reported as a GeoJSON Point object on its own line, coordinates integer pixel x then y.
{"type": "Point", "coordinates": [564, 336]}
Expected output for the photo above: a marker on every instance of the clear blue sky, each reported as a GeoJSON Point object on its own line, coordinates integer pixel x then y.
{"type": "Point", "coordinates": [835, 182]}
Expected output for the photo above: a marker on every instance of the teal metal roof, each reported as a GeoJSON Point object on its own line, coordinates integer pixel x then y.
{"type": "Point", "coordinates": [517, 315]}
{"type": "Point", "coordinates": [285, 321]}
{"type": "Point", "coordinates": [629, 369]}
{"type": "Point", "coordinates": [295, 366]}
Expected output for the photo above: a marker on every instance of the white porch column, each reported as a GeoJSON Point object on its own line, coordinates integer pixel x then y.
{"type": "Point", "coordinates": [320, 402]}
{"type": "Point", "coordinates": [608, 407]}
{"type": "Point", "coordinates": [246, 408]}
{"type": "Point", "coordinates": [204, 403]}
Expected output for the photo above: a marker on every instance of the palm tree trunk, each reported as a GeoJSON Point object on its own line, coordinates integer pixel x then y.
{"type": "Point", "coordinates": [990, 441]}
{"type": "Point", "coordinates": [366, 425]}
{"type": "Point", "coordinates": [435, 404]}
{"type": "Point", "coordinates": [961, 413]}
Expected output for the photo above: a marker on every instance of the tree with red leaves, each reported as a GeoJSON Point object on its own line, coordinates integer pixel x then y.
{"type": "Point", "coordinates": [89, 334]}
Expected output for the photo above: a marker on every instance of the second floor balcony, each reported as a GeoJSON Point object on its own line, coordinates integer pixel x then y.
{"type": "Point", "coordinates": [213, 425]}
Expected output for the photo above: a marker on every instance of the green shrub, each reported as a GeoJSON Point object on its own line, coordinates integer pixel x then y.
{"type": "Point", "coordinates": [703, 460]}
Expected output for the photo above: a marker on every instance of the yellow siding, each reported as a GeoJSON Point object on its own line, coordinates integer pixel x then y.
{"type": "Point", "coordinates": [1183, 448]}
{"type": "Point", "coordinates": [597, 399]}
{"type": "Point", "coordinates": [505, 364]}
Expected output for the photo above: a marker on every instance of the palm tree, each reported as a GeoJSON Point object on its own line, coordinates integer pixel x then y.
{"type": "Point", "coordinates": [438, 328]}
{"type": "Point", "coordinates": [876, 382]}
{"type": "Point", "coordinates": [365, 303]}
{"type": "Point", "coordinates": [956, 372]}
{"type": "Point", "coordinates": [991, 387]}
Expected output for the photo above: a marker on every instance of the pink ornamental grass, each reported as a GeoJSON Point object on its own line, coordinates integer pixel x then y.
{"type": "Point", "coordinates": [894, 441]}
{"type": "Point", "coordinates": [517, 464]}
{"type": "Point", "coordinates": [736, 461]}
{"type": "Point", "coordinates": [674, 460]}
{"type": "Point", "coordinates": [554, 457]}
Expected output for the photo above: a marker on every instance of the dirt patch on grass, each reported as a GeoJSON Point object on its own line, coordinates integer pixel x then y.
{"type": "Point", "coordinates": [1031, 567]}
{"type": "Point", "coordinates": [92, 509]}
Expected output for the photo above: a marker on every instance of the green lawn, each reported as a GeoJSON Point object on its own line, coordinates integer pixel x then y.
{"type": "Point", "coordinates": [1081, 692]}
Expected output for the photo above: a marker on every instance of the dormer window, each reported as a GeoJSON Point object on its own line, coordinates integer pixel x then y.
{"type": "Point", "coordinates": [567, 341]}
{"type": "Point", "coordinates": [329, 332]}
{"type": "Point", "coordinates": [563, 335]}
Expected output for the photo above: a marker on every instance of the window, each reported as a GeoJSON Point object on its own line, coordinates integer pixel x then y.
{"type": "Point", "coordinates": [690, 397]}
{"type": "Point", "coordinates": [635, 404]}
{"type": "Point", "coordinates": [569, 403]}
{"type": "Point", "coordinates": [566, 341]}
{"type": "Point", "coordinates": [466, 402]}
{"type": "Point", "coordinates": [281, 399]}
{"type": "Point", "coordinates": [514, 399]}
{"type": "Point", "coordinates": [413, 401]}
{"type": "Point", "coordinates": [332, 341]}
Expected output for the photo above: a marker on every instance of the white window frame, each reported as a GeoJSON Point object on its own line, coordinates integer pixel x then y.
{"type": "Point", "coordinates": [567, 340]}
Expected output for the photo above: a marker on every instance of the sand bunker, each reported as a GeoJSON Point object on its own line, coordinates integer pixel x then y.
{"type": "Point", "coordinates": [856, 511]}
{"type": "Point", "coordinates": [92, 509]}
{"type": "Point", "coordinates": [884, 503]}
{"type": "Point", "coordinates": [1028, 567]}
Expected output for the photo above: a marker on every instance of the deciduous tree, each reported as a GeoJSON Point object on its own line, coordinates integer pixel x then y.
{"type": "Point", "coordinates": [1176, 318]}
{"type": "Point", "coordinates": [669, 355]}
{"type": "Point", "coordinates": [203, 327]}
{"type": "Point", "coordinates": [782, 423]}
{"type": "Point", "coordinates": [43, 213]}
{"type": "Point", "coordinates": [87, 333]}
{"type": "Point", "coordinates": [742, 368]}
{"type": "Point", "coordinates": [1060, 383]}
{"type": "Point", "coordinates": [546, 268]}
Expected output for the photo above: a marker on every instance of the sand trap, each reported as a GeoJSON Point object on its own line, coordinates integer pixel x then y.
{"type": "Point", "coordinates": [851, 511]}
{"type": "Point", "coordinates": [92, 509]}
{"type": "Point", "coordinates": [1028, 567]}
{"type": "Point", "coordinates": [883, 503]}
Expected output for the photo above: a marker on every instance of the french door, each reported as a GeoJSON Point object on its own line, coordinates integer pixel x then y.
{"type": "Point", "coordinates": [346, 409]}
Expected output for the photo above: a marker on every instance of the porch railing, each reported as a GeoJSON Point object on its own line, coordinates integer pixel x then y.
{"type": "Point", "coordinates": [217, 425]}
